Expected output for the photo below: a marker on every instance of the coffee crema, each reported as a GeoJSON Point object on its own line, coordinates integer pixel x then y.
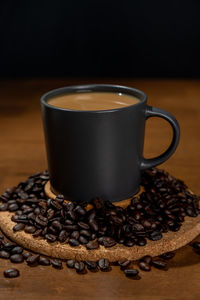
{"type": "Point", "coordinates": [93, 101]}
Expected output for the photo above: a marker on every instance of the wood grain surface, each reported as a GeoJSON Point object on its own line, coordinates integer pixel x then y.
{"type": "Point", "coordinates": [22, 152]}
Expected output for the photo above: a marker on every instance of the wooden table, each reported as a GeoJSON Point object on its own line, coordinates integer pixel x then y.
{"type": "Point", "coordinates": [22, 152]}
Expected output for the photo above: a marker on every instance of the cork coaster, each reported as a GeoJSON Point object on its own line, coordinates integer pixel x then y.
{"type": "Point", "coordinates": [123, 203]}
{"type": "Point", "coordinates": [170, 241]}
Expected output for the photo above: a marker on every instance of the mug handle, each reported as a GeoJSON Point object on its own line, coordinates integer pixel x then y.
{"type": "Point", "coordinates": [161, 113]}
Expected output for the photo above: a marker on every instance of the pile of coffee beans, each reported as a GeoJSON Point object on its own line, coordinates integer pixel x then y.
{"type": "Point", "coordinates": [160, 208]}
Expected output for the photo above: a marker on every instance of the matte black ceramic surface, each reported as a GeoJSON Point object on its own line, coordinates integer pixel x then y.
{"type": "Point", "coordinates": [99, 153]}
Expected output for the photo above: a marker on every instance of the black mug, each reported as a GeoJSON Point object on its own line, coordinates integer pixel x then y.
{"type": "Point", "coordinates": [100, 153]}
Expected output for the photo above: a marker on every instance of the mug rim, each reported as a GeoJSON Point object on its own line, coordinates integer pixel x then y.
{"type": "Point", "coordinates": [94, 88]}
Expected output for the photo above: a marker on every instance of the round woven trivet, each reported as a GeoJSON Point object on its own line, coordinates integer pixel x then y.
{"type": "Point", "coordinates": [170, 241]}
{"type": "Point", "coordinates": [123, 203]}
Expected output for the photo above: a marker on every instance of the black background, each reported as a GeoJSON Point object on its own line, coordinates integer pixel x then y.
{"type": "Point", "coordinates": [100, 38]}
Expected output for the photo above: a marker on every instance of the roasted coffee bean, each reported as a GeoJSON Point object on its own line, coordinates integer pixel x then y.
{"type": "Point", "coordinates": [37, 233]}
{"type": "Point", "coordinates": [83, 225]}
{"type": "Point", "coordinates": [16, 250]}
{"type": "Point", "coordinates": [75, 235]}
{"type": "Point", "coordinates": [63, 235]}
{"type": "Point", "coordinates": [124, 264]}
{"type": "Point", "coordinates": [4, 254]}
{"type": "Point", "coordinates": [40, 221]}
{"type": "Point", "coordinates": [159, 264]}
{"type": "Point", "coordinates": [33, 259]}
{"type": "Point", "coordinates": [155, 236]}
{"type": "Point", "coordinates": [108, 242]}
{"type": "Point", "coordinates": [13, 207]}
{"type": "Point", "coordinates": [129, 243]}
{"type": "Point", "coordinates": [80, 210]}
{"type": "Point", "coordinates": [50, 237]}
{"type": "Point", "coordinates": [56, 263]}
{"type": "Point", "coordinates": [85, 233]}
{"type": "Point", "coordinates": [15, 218]}
{"type": "Point", "coordinates": [190, 212]}
{"type": "Point", "coordinates": [141, 241]}
{"type": "Point", "coordinates": [3, 207]}
{"type": "Point", "coordinates": [16, 258]}
{"type": "Point", "coordinates": [147, 259]}
{"type": "Point", "coordinates": [26, 254]}
{"type": "Point", "coordinates": [138, 227]}
{"type": "Point", "coordinates": [147, 224]}
{"type": "Point", "coordinates": [56, 204]}
{"type": "Point", "coordinates": [104, 264]}
{"type": "Point", "coordinates": [79, 267]}
{"type": "Point", "coordinates": [196, 245]}
{"type": "Point", "coordinates": [11, 273]}
{"type": "Point", "coordinates": [91, 265]}
{"type": "Point", "coordinates": [70, 263]}
{"type": "Point", "coordinates": [52, 230]}
{"type": "Point", "coordinates": [73, 242]}
{"type": "Point", "coordinates": [44, 261]}
{"type": "Point", "coordinates": [8, 246]}
{"type": "Point", "coordinates": [93, 225]}
{"type": "Point", "coordinates": [93, 236]}
{"type": "Point", "coordinates": [18, 227]}
{"type": "Point", "coordinates": [71, 214]}
{"type": "Point", "coordinates": [57, 225]}
{"type": "Point", "coordinates": [29, 229]}
{"type": "Point", "coordinates": [131, 272]}
{"type": "Point", "coordinates": [167, 255]}
{"type": "Point", "coordinates": [71, 227]}
{"type": "Point", "coordinates": [91, 245]}
{"type": "Point", "coordinates": [83, 240]}
{"type": "Point", "coordinates": [144, 266]}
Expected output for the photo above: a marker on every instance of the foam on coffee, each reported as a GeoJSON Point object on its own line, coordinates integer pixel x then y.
{"type": "Point", "coordinates": [93, 101]}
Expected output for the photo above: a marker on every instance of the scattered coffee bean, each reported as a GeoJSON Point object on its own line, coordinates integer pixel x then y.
{"type": "Point", "coordinates": [167, 255]}
{"type": "Point", "coordinates": [196, 245]}
{"type": "Point", "coordinates": [91, 265]}
{"type": "Point", "coordinates": [56, 263]}
{"type": "Point", "coordinates": [8, 246]}
{"type": "Point", "coordinates": [11, 273]}
{"type": "Point", "coordinates": [147, 259]}
{"type": "Point", "coordinates": [124, 264]}
{"type": "Point", "coordinates": [33, 259]}
{"type": "Point", "coordinates": [92, 245]}
{"type": "Point", "coordinates": [16, 250]}
{"type": "Point", "coordinates": [79, 267]}
{"type": "Point", "coordinates": [83, 240]}
{"type": "Point", "coordinates": [83, 225]}
{"type": "Point", "coordinates": [3, 207]}
{"type": "Point", "coordinates": [26, 254]}
{"type": "Point", "coordinates": [144, 266]}
{"type": "Point", "coordinates": [18, 227]}
{"type": "Point", "coordinates": [104, 264]}
{"type": "Point", "coordinates": [50, 238]}
{"type": "Point", "coordinates": [70, 263]}
{"type": "Point", "coordinates": [73, 242]}
{"type": "Point", "coordinates": [131, 272]}
{"type": "Point", "coordinates": [13, 207]}
{"type": "Point", "coordinates": [16, 258]}
{"type": "Point", "coordinates": [4, 254]}
{"type": "Point", "coordinates": [75, 235]}
{"type": "Point", "coordinates": [159, 264]}
{"type": "Point", "coordinates": [29, 229]}
{"type": "Point", "coordinates": [44, 261]}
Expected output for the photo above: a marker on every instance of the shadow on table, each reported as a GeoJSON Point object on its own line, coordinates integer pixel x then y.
{"type": "Point", "coordinates": [185, 256]}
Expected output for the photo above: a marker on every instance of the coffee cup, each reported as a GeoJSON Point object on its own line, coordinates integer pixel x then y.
{"type": "Point", "coordinates": [94, 138]}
